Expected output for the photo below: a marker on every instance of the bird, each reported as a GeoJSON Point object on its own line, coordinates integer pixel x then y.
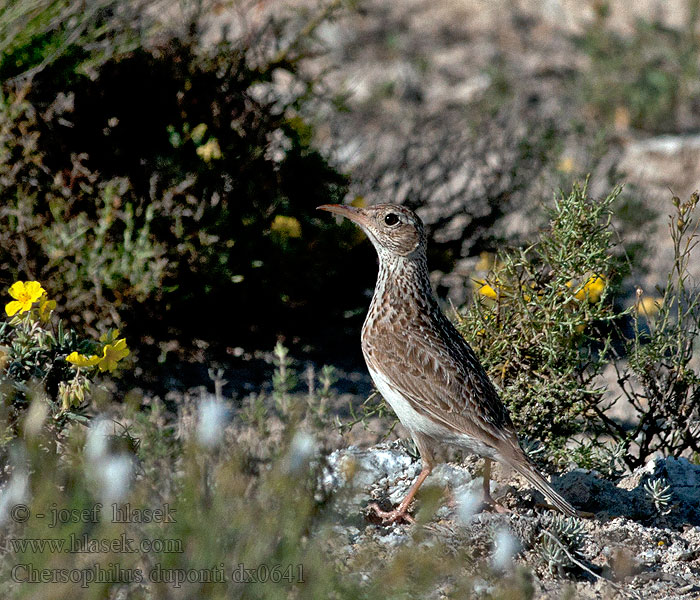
{"type": "Point", "coordinates": [424, 368]}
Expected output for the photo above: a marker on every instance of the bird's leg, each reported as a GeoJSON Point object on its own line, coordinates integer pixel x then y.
{"type": "Point", "coordinates": [487, 498]}
{"type": "Point", "coordinates": [401, 512]}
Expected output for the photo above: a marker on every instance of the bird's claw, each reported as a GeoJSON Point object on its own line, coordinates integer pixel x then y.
{"type": "Point", "coordinates": [490, 504]}
{"type": "Point", "coordinates": [391, 516]}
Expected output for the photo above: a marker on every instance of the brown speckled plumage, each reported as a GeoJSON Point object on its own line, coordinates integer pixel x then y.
{"type": "Point", "coordinates": [422, 365]}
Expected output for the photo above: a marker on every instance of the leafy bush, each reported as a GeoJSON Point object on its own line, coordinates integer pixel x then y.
{"type": "Point", "coordinates": [178, 181]}
{"type": "Point", "coordinates": [661, 378]}
{"type": "Point", "coordinates": [40, 358]}
{"type": "Point", "coordinates": [545, 328]}
{"type": "Point", "coordinates": [537, 320]}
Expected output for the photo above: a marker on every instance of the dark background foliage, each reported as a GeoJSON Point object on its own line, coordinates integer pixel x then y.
{"type": "Point", "coordinates": [226, 274]}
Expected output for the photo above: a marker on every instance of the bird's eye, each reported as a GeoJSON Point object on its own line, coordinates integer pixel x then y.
{"type": "Point", "coordinates": [391, 219]}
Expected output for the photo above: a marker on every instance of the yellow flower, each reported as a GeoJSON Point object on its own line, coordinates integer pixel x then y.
{"type": "Point", "coordinates": [45, 308]}
{"type": "Point", "coordinates": [80, 360]}
{"type": "Point", "coordinates": [25, 293]}
{"type": "Point", "coordinates": [209, 151]}
{"type": "Point", "coordinates": [112, 354]}
{"type": "Point", "coordinates": [592, 290]}
{"type": "Point", "coordinates": [488, 291]}
{"type": "Point", "coordinates": [566, 164]}
{"type": "Point", "coordinates": [648, 306]}
{"type": "Point", "coordinates": [286, 226]}
{"type": "Point", "coordinates": [109, 336]}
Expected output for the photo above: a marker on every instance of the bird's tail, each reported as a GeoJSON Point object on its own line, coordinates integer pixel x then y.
{"type": "Point", "coordinates": [529, 473]}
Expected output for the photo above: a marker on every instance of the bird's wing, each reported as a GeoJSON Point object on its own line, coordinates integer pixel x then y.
{"type": "Point", "coordinates": [434, 369]}
{"type": "Point", "coordinates": [437, 372]}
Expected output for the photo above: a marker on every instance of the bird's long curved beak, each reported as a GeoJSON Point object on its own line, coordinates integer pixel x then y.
{"type": "Point", "coordinates": [349, 212]}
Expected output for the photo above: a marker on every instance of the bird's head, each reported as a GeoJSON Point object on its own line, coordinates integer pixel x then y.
{"type": "Point", "coordinates": [393, 230]}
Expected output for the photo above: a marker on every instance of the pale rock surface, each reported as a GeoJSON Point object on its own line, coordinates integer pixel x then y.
{"type": "Point", "coordinates": [662, 552]}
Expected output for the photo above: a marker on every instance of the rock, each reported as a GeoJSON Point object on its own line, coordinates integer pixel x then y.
{"type": "Point", "coordinates": [683, 478]}
{"type": "Point", "coordinates": [656, 169]}
{"type": "Point", "coordinates": [629, 498]}
{"type": "Point", "coordinates": [663, 163]}
{"type": "Point", "coordinates": [646, 551]}
{"type": "Point", "coordinates": [386, 472]}
{"type": "Point", "coordinates": [358, 469]}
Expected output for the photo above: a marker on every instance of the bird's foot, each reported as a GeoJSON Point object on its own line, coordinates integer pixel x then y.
{"type": "Point", "coordinates": [392, 516]}
{"type": "Point", "coordinates": [490, 504]}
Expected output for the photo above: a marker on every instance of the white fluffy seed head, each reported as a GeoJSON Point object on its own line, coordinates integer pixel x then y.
{"type": "Point", "coordinates": [212, 419]}
{"type": "Point", "coordinates": [15, 492]}
{"type": "Point", "coordinates": [506, 547]}
{"type": "Point", "coordinates": [301, 450]}
{"type": "Point", "coordinates": [97, 444]}
{"type": "Point", "coordinates": [114, 477]}
{"type": "Point", "coordinates": [468, 503]}
{"type": "Point", "coordinates": [110, 473]}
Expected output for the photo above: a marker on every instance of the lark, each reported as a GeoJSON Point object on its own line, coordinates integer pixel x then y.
{"type": "Point", "coordinates": [423, 367]}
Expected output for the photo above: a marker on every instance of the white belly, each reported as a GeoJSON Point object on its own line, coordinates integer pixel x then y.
{"type": "Point", "coordinates": [416, 422]}
{"type": "Point", "coordinates": [410, 418]}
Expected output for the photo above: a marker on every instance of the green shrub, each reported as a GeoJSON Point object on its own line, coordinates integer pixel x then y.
{"type": "Point", "coordinates": [545, 326]}
{"type": "Point", "coordinates": [661, 378]}
{"type": "Point", "coordinates": [178, 182]}
{"type": "Point", "coordinates": [42, 359]}
{"type": "Point", "coordinates": [71, 38]}
{"type": "Point", "coordinates": [536, 322]}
